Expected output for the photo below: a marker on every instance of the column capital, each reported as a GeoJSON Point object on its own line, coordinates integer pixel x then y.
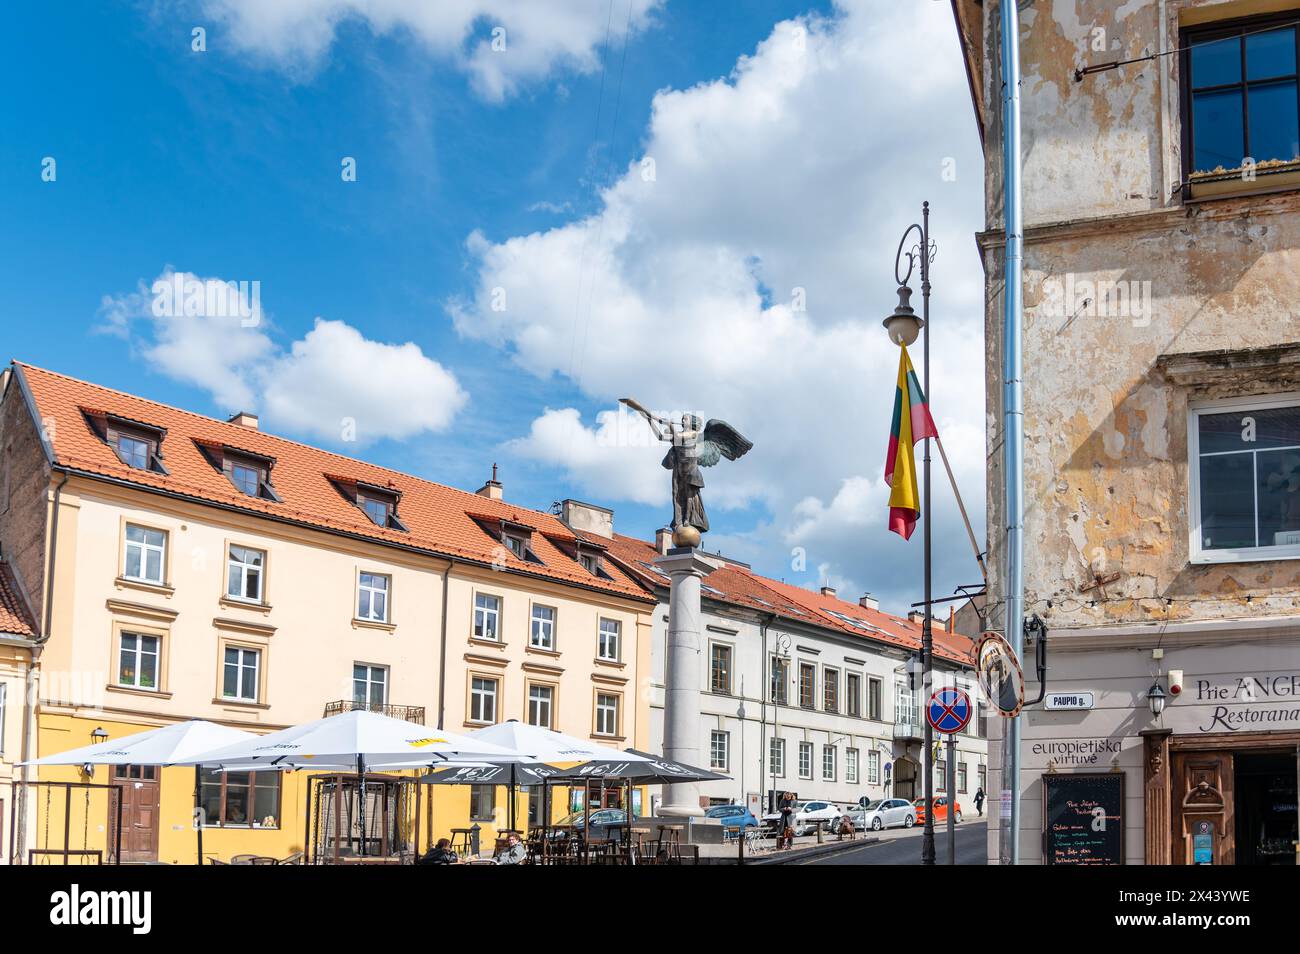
{"type": "Point", "coordinates": [685, 560]}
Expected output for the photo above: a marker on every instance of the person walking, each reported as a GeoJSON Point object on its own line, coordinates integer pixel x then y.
{"type": "Point", "coordinates": [979, 801]}
{"type": "Point", "coordinates": [786, 839]}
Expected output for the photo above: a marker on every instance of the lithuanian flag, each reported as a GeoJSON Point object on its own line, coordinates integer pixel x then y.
{"type": "Point", "coordinates": [900, 463]}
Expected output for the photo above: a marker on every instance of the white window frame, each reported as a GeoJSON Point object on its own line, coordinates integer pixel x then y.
{"type": "Point", "coordinates": [240, 666]}
{"type": "Point", "coordinates": [602, 642]}
{"type": "Point", "coordinates": [549, 703]}
{"type": "Point", "coordinates": [371, 590]}
{"type": "Point", "coordinates": [606, 712]}
{"type": "Point", "coordinates": [719, 743]}
{"type": "Point", "coordinates": [805, 748]}
{"type": "Point", "coordinates": [730, 651]}
{"type": "Point", "coordinates": [834, 763]}
{"type": "Point", "coordinates": [145, 549]}
{"type": "Point", "coordinates": [548, 625]}
{"type": "Point", "coordinates": [851, 766]}
{"type": "Point", "coordinates": [776, 757]}
{"type": "Point", "coordinates": [478, 696]}
{"type": "Point", "coordinates": [242, 566]}
{"type": "Point", "coordinates": [493, 613]}
{"type": "Point", "coordinates": [873, 767]}
{"type": "Point", "coordinates": [157, 653]}
{"type": "Point", "coordinates": [1196, 553]}
{"type": "Point", "coordinates": [370, 682]}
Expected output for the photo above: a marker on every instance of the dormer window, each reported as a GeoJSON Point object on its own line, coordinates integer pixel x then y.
{"type": "Point", "coordinates": [380, 506]}
{"type": "Point", "coordinates": [517, 545]}
{"type": "Point", "coordinates": [247, 472]}
{"type": "Point", "coordinates": [135, 444]}
{"type": "Point", "coordinates": [589, 562]}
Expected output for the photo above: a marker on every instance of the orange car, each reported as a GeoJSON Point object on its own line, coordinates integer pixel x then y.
{"type": "Point", "coordinates": [940, 810]}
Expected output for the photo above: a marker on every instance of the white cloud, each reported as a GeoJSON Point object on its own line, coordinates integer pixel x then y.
{"type": "Point", "coordinates": [332, 384]}
{"type": "Point", "coordinates": [500, 44]}
{"type": "Point", "coordinates": [791, 179]}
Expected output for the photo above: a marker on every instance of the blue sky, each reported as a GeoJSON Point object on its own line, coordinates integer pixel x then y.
{"type": "Point", "coordinates": [226, 164]}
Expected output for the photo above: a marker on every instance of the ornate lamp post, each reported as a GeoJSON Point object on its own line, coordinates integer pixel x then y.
{"type": "Point", "coordinates": [903, 326]}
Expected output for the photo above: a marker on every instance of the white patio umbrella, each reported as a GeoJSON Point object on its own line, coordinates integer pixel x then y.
{"type": "Point", "coordinates": [163, 746]}
{"type": "Point", "coordinates": [356, 739]}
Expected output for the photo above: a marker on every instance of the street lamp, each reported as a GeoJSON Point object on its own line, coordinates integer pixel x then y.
{"type": "Point", "coordinates": [1156, 699]}
{"type": "Point", "coordinates": [903, 327]}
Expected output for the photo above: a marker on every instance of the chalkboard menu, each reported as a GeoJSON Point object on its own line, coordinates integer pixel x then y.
{"type": "Point", "coordinates": [1083, 819]}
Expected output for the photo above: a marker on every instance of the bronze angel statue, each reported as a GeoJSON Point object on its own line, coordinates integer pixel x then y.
{"type": "Point", "coordinates": [693, 446]}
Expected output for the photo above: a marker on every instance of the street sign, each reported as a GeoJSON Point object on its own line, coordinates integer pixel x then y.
{"type": "Point", "coordinates": [1000, 675]}
{"type": "Point", "coordinates": [949, 710]}
{"type": "Point", "coordinates": [1068, 700]}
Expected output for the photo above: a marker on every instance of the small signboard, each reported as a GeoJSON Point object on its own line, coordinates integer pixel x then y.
{"type": "Point", "coordinates": [1068, 700]}
{"type": "Point", "coordinates": [949, 710]}
{"type": "Point", "coordinates": [1083, 818]}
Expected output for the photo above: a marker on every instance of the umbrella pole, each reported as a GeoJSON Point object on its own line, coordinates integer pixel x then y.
{"type": "Point", "coordinates": [198, 807]}
{"type": "Point", "coordinates": [361, 790]}
{"type": "Point", "coordinates": [586, 821]}
{"type": "Point", "coordinates": [512, 796]}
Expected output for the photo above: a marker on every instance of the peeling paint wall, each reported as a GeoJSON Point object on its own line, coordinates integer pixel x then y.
{"type": "Point", "coordinates": [1121, 276]}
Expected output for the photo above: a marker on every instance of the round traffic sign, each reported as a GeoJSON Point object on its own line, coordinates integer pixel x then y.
{"type": "Point", "coordinates": [949, 710]}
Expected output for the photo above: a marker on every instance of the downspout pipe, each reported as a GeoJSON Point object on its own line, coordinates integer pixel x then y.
{"type": "Point", "coordinates": [1013, 435]}
{"type": "Point", "coordinates": [442, 647]}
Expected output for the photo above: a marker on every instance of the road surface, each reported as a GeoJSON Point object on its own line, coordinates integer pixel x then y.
{"type": "Point", "coordinates": [900, 846]}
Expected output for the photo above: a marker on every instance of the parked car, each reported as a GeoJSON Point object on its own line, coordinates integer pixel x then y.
{"type": "Point", "coordinates": [940, 810]}
{"type": "Point", "coordinates": [602, 822]}
{"type": "Point", "coordinates": [883, 813]}
{"type": "Point", "coordinates": [732, 816]}
{"type": "Point", "coordinates": [806, 816]}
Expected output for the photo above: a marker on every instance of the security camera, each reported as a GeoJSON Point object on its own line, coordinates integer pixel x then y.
{"type": "Point", "coordinates": [1175, 682]}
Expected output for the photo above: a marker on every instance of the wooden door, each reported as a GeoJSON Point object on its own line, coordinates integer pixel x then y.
{"type": "Point", "coordinates": [1202, 806]}
{"type": "Point", "coordinates": [138, 785]}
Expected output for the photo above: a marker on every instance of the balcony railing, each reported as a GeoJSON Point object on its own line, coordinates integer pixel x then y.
{"type": "Point", "coordinates": [907, 722]}
{"type": "Point", "coordinates": [408, 713]}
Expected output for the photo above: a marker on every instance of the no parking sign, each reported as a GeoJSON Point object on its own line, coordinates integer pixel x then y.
{"type": "Point", "coordinates": [949, 710]}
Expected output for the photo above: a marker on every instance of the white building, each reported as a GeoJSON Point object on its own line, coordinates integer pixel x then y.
{"type": "Point", "coordinates": [801, 691]}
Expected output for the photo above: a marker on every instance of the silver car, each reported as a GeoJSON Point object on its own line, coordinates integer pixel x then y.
{"type": "Point", "coordinates": [883, 813]}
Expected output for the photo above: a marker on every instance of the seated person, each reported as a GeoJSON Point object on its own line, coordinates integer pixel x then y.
{"type": "Point", "coordinates": [439, 854]}
{"type": "Point", "coordinates": [515, 853]}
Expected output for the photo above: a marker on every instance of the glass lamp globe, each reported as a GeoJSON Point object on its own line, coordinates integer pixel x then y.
{"type": "Point", "coordinates": [903, 326]}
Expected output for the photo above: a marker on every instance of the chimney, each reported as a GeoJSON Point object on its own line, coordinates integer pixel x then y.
{"type": "Point", "coordinates": [663, 540]}
{"type": "Point", "coordinates": [867, 601]}
{"type": "Point", "coordinates": [243, 419]}
{"type": "Point", "coordinates": [916, 617]}
{"type": "Point", "coordinates": [491, 489]}
{"type": "Point", "coordinates": [828, 591]}
{"type": "Point", "coordinates": [588, 518]}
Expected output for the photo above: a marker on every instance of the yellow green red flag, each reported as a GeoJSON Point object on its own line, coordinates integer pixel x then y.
{"type": "Point", "coordinates": [911, 423]}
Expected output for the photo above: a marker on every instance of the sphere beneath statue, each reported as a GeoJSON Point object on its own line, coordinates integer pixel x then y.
{"type": "Point", "coordinates": [686, 536]}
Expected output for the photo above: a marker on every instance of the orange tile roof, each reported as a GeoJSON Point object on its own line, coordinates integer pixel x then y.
{"type": "Point", "coordinates": [439, 519]}
{"type": "Point", "coordinates": [15, 617]}
{"type": "Point", "coordinates": [740, 586]}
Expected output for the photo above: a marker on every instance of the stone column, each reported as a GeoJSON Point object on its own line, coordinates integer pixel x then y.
{"type": "Point", "coordinates": [682, 674]}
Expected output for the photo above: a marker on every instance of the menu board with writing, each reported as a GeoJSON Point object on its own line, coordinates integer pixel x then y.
{"type": "Point", "coordinates": [1083, 818]}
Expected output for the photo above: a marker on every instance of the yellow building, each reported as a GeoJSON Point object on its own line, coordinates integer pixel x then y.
{"type": "Point", "coordinates": [187, 567]}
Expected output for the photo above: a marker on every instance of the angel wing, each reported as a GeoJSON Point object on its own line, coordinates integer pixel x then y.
{"type": "Point", "coordinates": [720, 440]}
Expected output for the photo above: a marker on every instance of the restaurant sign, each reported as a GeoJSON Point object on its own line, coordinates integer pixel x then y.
{"type": "Point", "coordinates": [1261, 701]}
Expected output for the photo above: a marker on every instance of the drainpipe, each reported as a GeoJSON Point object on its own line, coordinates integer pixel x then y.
{"type": "Point", "coordinates": [765, 681]}
{"type": "Point", "coordinates": [1013, 435]}
{"type": "Point", "coordinates": [31, 681]}
{"type": "Point", "coordinates": [442, 646]}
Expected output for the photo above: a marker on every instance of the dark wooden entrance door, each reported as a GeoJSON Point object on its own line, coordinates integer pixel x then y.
{"type": "Point", "coordinates": [138, 785]}
{"type": "Point", "coordinates": [1203, 811]}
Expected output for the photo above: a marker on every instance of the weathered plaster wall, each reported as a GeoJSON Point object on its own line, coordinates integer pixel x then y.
{"type": "Point", "coordinates": [1106, 479]}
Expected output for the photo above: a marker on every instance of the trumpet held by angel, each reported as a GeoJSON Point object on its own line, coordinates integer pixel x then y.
{"type": "Point", "coordinates": [694, 444]}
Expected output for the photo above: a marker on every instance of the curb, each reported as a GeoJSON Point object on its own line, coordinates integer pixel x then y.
{"type": "Point", "coordinates": [799, 854]}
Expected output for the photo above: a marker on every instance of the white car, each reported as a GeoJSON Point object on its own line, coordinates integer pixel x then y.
{"type": "Point", "coordinates": [883, 813]}
{"type": "Point", "coordinates": [807, 815]}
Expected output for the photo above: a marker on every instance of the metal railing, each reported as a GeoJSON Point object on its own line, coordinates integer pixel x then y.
{"type": "Point", "coordinates": [407, 713]}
